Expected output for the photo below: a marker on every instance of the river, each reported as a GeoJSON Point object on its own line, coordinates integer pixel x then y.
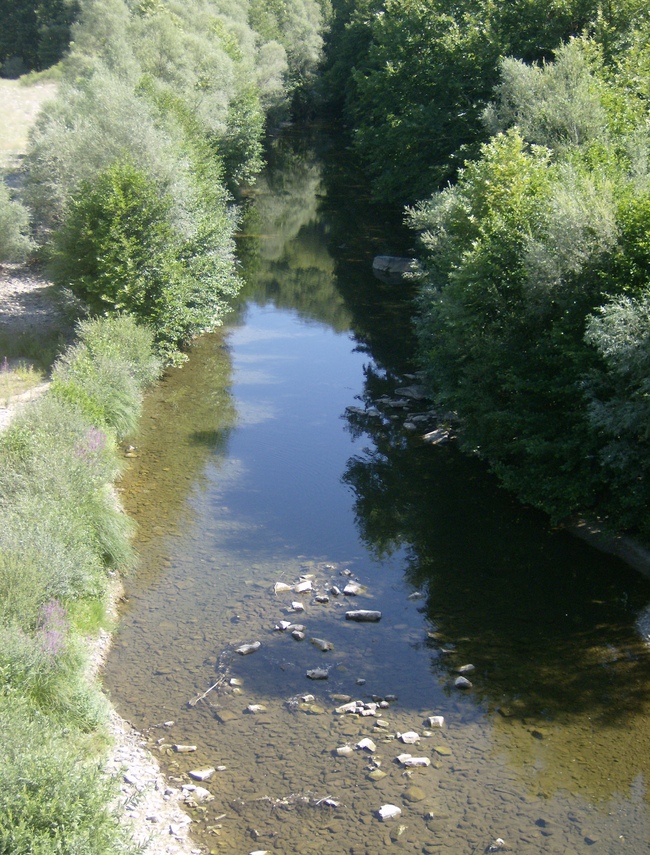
{"type": "Point", "coordinates": [275, 455]}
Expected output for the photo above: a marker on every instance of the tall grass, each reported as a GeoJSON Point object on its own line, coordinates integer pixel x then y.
{"type": "Point", "coordinates": [60, 528]}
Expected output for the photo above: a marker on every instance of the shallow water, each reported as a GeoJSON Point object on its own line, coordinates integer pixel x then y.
{"type": "Point", "coordinates": [250, 470]}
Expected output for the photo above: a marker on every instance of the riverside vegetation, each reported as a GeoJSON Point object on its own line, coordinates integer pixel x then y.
{"type": "Point", "coordinates": [517, 134]}
{"type": "Point", "coordinates": [126, 197]}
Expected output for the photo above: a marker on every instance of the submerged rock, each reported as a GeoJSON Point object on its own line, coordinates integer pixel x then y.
{"type": "Point", "coordinates": [321, 644]}
{"type": "Point", "coordinates": [246, 649]}
{"type": "Point", "coordinates": [281, 588]}
{"type": "Point", "coordinates": [414, 794]}
{"type": "Point", "coordinates": [297, 606]}
{"type": "Point", "coordinates": [301, 587]}
{"type": "Point", "coordinates": [318, 674]}
{"type": "Point", "coordinates": [462, 683]}
{"type": "Point", "coordinates": [352, 589]}
{"type": "Point", "coordinates": [298, 635]}
{"type": "Point", "coordinates": [416, 761]}
{"type": "Point", "coordinates": [410, 737]}
{"type": "Point", "coordinates": [363, 616]}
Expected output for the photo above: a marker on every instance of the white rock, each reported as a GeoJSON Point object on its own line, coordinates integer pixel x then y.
{"type": "Point", "coordinates": [410, 737]}
{"type": "Point", "coordinates": [283, 625]}
{"type": "Point", "coordinates": [245, 649]}
{"type": "Point", "coordinates": [303, 586]}
{"type": "Point", "coordinates": [416, 595]}
{"type": "Point", "coordinates": [307, 699]}
{"type": "Point", "coordinates": [366, 744]}
{"type": "Point", "coordinates": [296, 627]}
{"type": "Point", "coordinates": [184, 749]}
{"type": "Point", "coordinates": [255, 708]}
{"type": "Point", "coordinates": [201, 774]}
{"type": "Point", "coordinates": [346, 708]}
{"type": "Point", "coordinates": [297, 606]}
{"type": "Point", "coordinates": [334, 591]}
{"type": "Point", "coordinates": [299, 636]}
{"type": "Point", "coordinates": [436, 721]}
{"type": "Point", "coordinates": [281, 588]}
{"type": "Point", "coordinates": [417, 761]}
{"type": "Point", "coordinates": [465, 669]}
{"type": "Point", "coordinates": [200, 794]}
{"type": "Point", "coordinates": [352, 589]}
{"type": "Point", "coordinates": [386, 812]}
{"type": "Point", "coordinates": [260, 852]}
{"type": "Point", "coordinates": [344, 751]}
{"type": "Point", "coordinates": [462, 683]}
{"type": "Point", "coordinates": [402, 758]}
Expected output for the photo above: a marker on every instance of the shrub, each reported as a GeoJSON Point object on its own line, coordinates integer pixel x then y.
{"type": "Point", "coordinates": [15, 241]}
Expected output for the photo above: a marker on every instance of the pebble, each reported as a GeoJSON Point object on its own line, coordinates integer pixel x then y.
{"type": "Point", "coordinates": [321, 644]}
{"type": "Point", "coordinates": [465, 669]}
{"type": "Point", "coordinates": [255, 708]}
{"type": "Point", "coordinates": [462, 683]}
{"type": "Point", "coordinates": [366, 744]}
{"type": "Point", "coordinates": [414, 794]}
{"type": "Point", "coordinates": [297, 606]}
{"type": "Point", "coordinates": [417, 761]}
{"type": "Point", "coordinates": [334, 591]}
{"type": "Point", "coordinates": [303, 586]}
{"type": "Point", "coordinates": [299, 636]}
{"type": "Point", "coordinates": [387, 812]}
{"type": "Point", "coordinates": [281, 588]}
{"type": "Point", "coordinates": [410, 737]}
{"type": "Point", "coordinates": [352, 589]}
{"type": "Point", "coordinates": [442, 750]}
{"type": "Point", "coordinates": [345, 751]}
{"type": "Point", "coordinates": [283, 625]}
{"type": "Point", "coordinates": [201, 774]}
{"type": "Point", "coordinates": [363, 616]}
{"type": "Point", "coordinates": [246, 649]}
{"type": "Point", "coordinates": [318, 674]}
{"type": "Point", "coordinates": [321, 598]}
{"type": "Point", "coordinates": [376, 775]}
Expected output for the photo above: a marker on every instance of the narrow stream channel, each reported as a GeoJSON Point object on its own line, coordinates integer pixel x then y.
{"type": "Point", "coordinates": [251, 469]}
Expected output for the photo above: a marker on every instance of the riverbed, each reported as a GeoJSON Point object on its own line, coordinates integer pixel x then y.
{"type": "Point", "coordinates": [285, 461]}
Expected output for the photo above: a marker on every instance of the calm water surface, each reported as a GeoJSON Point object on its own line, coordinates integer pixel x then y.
{"type": "Point", "coordinates": [251, 470]}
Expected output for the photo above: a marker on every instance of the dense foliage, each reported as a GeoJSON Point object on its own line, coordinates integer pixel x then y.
{"type": "Point", "coordinates": [412, 77]}
{"type": "Point", "coordinates": [535, 302]}
{"type": "Point", "coordinates": [158, 120]}
{"type": "Point", "coordinates": [34, 33]}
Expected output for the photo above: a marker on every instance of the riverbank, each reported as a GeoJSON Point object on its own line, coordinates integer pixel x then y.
{"type": "Point", "coordinates": [32, 311]}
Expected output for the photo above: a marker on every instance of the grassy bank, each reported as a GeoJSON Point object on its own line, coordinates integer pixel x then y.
{"type": "Point", "coordinates": [61, 529]}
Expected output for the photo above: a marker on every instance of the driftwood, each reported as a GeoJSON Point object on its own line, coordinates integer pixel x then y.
{"type": "Point", "coordinates": [223, 666]}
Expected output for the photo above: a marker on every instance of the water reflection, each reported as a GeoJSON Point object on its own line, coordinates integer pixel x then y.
{"type": "Point", "coordinates": [253, 469]}
{"type": "Point", "coordinates": [549, 624]}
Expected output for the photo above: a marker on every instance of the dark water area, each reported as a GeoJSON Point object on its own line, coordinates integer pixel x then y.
{"type": "Point", "coordinates": [275, 455]}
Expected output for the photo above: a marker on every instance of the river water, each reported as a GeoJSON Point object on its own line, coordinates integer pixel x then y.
{"type": "Point", "coordinates": [250, 469]}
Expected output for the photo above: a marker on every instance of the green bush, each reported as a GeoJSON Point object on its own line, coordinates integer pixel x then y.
{"type": "Point", "coordinates": [15, 240]}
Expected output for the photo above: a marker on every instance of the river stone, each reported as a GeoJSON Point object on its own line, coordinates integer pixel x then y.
{"type": "Point", "coordinates": [442, 750]}
{"type": "Point", "coordinates": [315, 709]}
{"type": "Point", "coordinates": [303, 586]}
{"type": "Point", "coordinates": [462, 683]}
{"type": "Point", "coordinates": [436, 721]}
{"type": "Point", "coordinates": [297, 606]}
{"type": "Point", "coordinates": [318, 674]}
{"type": "Point", "coordinates": [417, 761]}
{"type": "Point", "coordinates": [340, 699]}
{"type": "Point", "coordinates": [439, 436]}
{"type": "Point", "coordinates": [283, 625]}
{"type": "Point", "coordinates": [321, 644]}
{"type": "Point", "coordinates": [366, 744]}
{"type": "Point", "coordinates": [345, 751]}
{"type": "Point", "coordinates": [465, 669]}
{"type": "Point", "coordinates": [352, 589]}
{"type": "Point", "coordinates": [184, 749]}
{"type": "Point", "coordinates": [299, 636]}
{"type": "Point", "coordinates": [376, 775]}
{"type": "Point", "coordinates": [201, 774]}
{"type": "Point", "coordinates": [253, 709]}
{"type": "Point", "coordinates": [224, 716]}
{"type": "Point", "coordinates": [387, 812]}
{"type": "Point", "coordinates": [363, 616]}
{"type": "Point", "coordinates": [410, 737]}
{"type": "Point", "coordinates": [246, 649]}
{"type": "Point", "coordinates": [281, 588]}
{"type": "Point", "coordinates": [414, 794]}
